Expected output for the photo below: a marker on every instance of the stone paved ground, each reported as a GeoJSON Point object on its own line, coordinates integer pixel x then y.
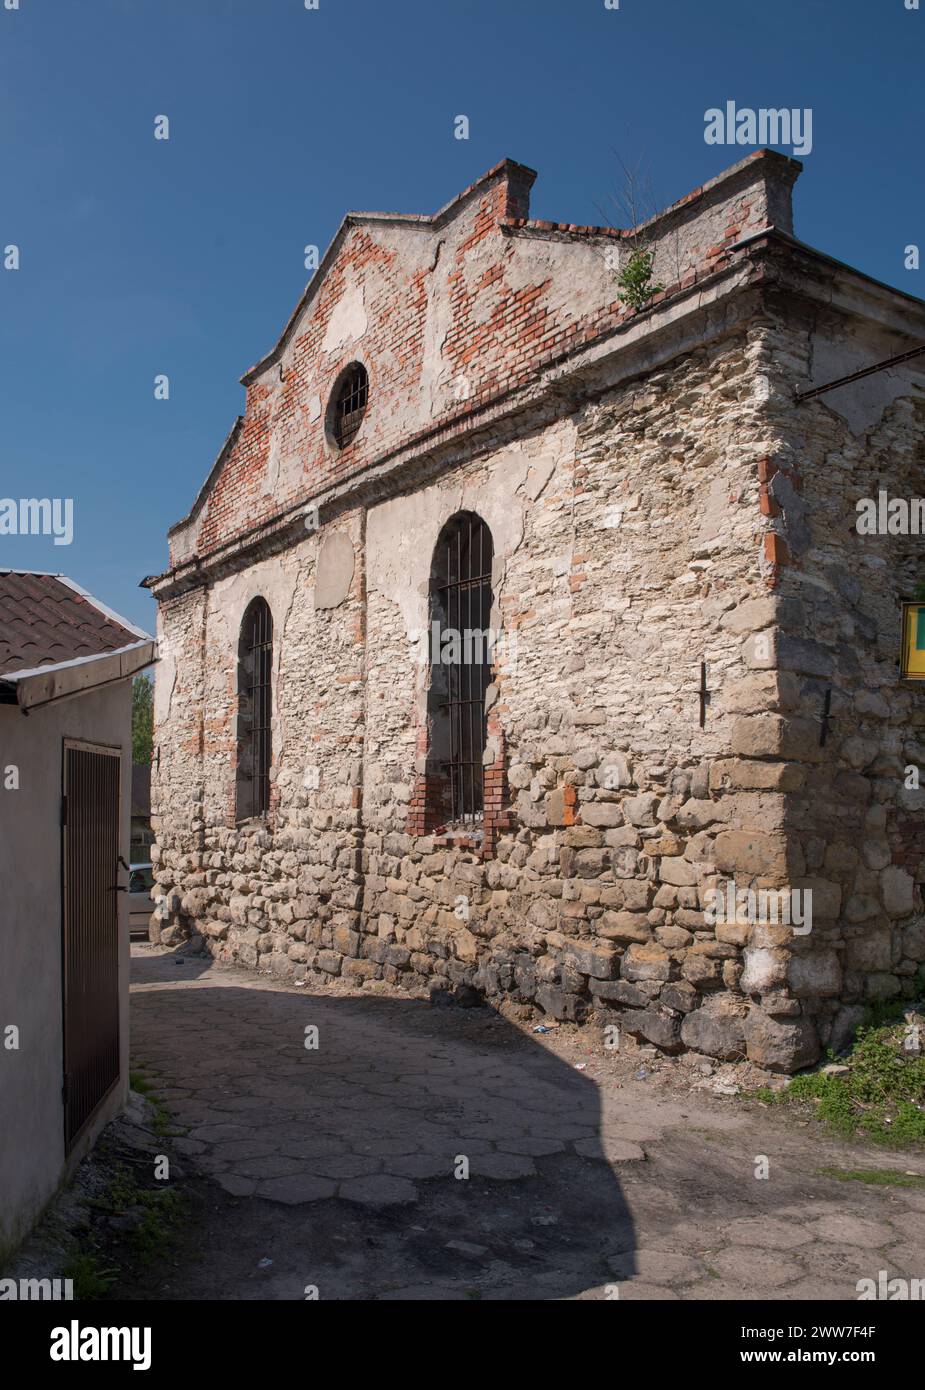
{"type": "Point", "coordinates": [336, 1167]}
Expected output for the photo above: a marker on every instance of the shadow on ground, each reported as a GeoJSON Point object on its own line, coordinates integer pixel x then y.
{"type": "Point", "coordinates": [408, 1152]}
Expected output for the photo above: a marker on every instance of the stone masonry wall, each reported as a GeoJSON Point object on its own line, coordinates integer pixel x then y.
{"type": "Point", "coordinates": [855, 829]}
{"type": "Point", "coordinates": [681, 595]}
{"type": "Point", "coordinates": [629, 548]}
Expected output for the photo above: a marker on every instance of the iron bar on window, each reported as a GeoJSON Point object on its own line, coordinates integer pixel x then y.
{"type": "Point", "coordinates": [258, 703]}
{"type": "Point", "coordinates": [350, 406]}
{"type": "Point", "coordinates": [465, 603]}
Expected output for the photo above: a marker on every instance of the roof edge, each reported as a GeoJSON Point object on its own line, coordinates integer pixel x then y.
{"type": "Point", "coordinates": [43, 684]}
{"type": "Point", "coordinates": [505, 168]}
{"type": "Point", "coordinates": [220, 457]}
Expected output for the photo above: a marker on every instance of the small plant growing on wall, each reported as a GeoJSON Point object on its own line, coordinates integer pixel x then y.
{"type": "Point", "coordinates": [635, 279]}
{"type": "Point", "coordinates": [635, 206]}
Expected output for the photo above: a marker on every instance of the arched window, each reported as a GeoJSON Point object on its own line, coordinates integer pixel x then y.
{"type": "Point", "coordinates": [460, 666]}
{"type": "Point", "coordinates": [255, 710]}
{"type": "Point", "coordinates": [348, 404]}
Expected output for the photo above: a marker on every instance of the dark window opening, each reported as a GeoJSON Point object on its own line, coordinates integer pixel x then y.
{"type": "Point", "coordinates": [349, 404]}
{"type": "Point", "coordinates": [460, 666]}
{"type": "Point", "coordinates": [255, 711]}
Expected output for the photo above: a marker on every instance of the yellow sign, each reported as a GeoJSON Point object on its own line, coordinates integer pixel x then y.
{"type": "Point", "coordinates": [913, 657]}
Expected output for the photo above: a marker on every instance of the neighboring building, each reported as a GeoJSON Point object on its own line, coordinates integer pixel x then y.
{"type": "Point", "coordinates": [66, 667]}
{"type": "Point", "coordinates": [696, 681]}
{"type": "Point", "coordinates": [141, 832]}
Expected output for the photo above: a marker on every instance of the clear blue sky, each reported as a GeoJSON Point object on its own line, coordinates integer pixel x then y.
{"type": "Point", "coordinates": [185, 257]}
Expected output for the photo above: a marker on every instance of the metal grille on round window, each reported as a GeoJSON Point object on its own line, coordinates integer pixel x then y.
{"type": "Point", "coordinates": [350, 404]}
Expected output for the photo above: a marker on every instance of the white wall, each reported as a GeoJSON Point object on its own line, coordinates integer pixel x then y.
{"type": "Point", "coordinates": [32, 1157]}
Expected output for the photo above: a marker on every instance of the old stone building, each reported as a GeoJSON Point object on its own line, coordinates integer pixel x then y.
{"type": "Point", "coordinates": [692, 681]}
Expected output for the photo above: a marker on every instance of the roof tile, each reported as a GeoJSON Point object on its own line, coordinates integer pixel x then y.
{"type": "Point", "coordinates": [43, 620]}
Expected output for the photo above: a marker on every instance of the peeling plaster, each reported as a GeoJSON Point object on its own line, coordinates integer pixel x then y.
{"type": "Point", "coordinates": [578, 277]}
{"type": "Point", "coordinates": [795, 527]}
{"type": "Point", "coordinates": [273, 581]}
{"type": "Point", "coordinates": [861, 404]}
{"type": "Point", "coordinates": [165, 675]}
{"type": "Point", "coordinates": [714, 516]}
{"type": "Point", "coordinates": [348, 321]}
{"type": "Point", "coordinates": [541, 470]}
{"type": "Point", "coordinates": [402, 532]}
{"type": "Point", "coordinates": [334, 573]}
{"type": "Point", "coordinates": [273, 463]}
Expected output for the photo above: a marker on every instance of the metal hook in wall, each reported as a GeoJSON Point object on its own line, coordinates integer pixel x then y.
{"type": "Point", "coordinates": [704, 694]}
{"type": "Point", "coordinates": [825, 718]}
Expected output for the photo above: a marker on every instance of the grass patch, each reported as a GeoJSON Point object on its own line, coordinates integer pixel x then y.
{"type": "Point", "coordinates": [874, 1177]}
{"type": "Point", "coordinates": [881, 1097]}
{"type": "Point", "coordinates": [881, 1012]}
{"type": "Point", "coordinates": [152, 1239]}
{"type": "Point", "coordinates": [147, 1222]}
{"type": "Point", "coordinates": [92, 1279]}
{"type": "Point", "coordinates": [161, 1122]}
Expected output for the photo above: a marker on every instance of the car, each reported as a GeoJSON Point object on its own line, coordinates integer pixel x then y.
{"type": "Point", "coordinates": [140, 906]}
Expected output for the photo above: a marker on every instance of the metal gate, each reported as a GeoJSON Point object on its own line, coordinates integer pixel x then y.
{"type": "Point", "coordinates": [90, 863]}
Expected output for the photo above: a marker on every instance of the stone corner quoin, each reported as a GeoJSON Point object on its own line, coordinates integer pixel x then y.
{"type": "Point", "coordinates": [695, 680]}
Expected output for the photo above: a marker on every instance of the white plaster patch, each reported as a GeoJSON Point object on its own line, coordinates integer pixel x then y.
{"type": "Point", "coordinates": [578, 275]}
{"type": "Point", "coordinates": [334, 574]}
{"type": "Point", "coordinates": [862, 403]}
{"type": "Point", "coordinates": [313, 409]}
{"type": "Point", "coordinates": [541, 470]}
{"type": "Point", "coordinates": [273, 463]}
{"type": "Point", "coordinates": [165, 677]}
{"type": "Point", "coordinates": [348, 321]}
{"type": "Point", "coordinates": [714, 516]}
{"type": "Point", "coordinates": [402, 532]}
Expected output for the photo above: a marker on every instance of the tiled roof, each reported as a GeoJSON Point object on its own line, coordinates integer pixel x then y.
{"type": "Point", "coordinates": [46, 619]}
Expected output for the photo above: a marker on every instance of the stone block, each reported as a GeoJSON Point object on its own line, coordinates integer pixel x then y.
{"type": "Point", "coordinates": [754, 854]}
{"type": "Point", "coordinates": [780, 1045]}
{"type": "Point", "coordinates": [660, 1029]}
{"type": "Point", "coordinates": [680, 995]}
{"type": "Point", "coordinates": [677, 871]}
{"type": "Point", "coordinates": [897, 891]}
{"type": "Point", "coordinates": [588, 958]}
{"type": "Point", "coordinates": [601, 814]}
{"type": "Point", "coordinates": [650, 962]}
{"type": "Point", "coordinates": [624, 927]}
{"type": "Point", "coordinates": [765, 969]}
{"type": "Point", "coordinates": [869, 948]}
{"type": "Point", "coordinates": [776, 736]}
{"type": "Point", "coordinates": [717, 1028]}
{"type": "Point", "coordinates": [815, 974]}
{"type": "Point", "coordinates": [619, 992]}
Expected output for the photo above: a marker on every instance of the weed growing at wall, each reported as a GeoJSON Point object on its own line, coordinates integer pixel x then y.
{"type": "Point", "coordinates": [880, 1094]}
{"type": "Point", "coordinates": [635, 279]}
